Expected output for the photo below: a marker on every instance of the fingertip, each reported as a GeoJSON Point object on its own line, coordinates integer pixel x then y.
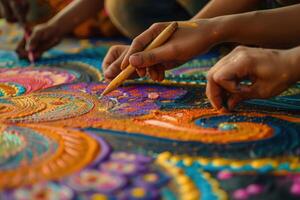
{"type": "Point", "coordinates": [124, 63]}
{"type": "Point", "coordinates": [141, 72]}
{"type": "Point", "coordinates": [161, 76]}
{"type": "Point", "coordinates": [107, 80]}
{"type": "Point", "coordinates": [224, 110]}
{"type": "Point", "coordinates": [220, 102]}
{"type": "Point", "coordinates": [22, 55]}
{"type": "Point", "coordinates": [107, 74]}
{"type": "Point", "coordinates": [153, 74]}
{"type": "Point", "coordinates": [214, 94]}
{"type": "Point", "coordinates": [215, 102]}
{"type": "Point", "coordinates": [233, 102]}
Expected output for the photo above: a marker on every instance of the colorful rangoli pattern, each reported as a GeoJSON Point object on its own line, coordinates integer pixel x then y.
{"type": "Point", "coordinates": [59, 139]}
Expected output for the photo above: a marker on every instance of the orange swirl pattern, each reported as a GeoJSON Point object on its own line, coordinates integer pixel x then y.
{"type": "Point", "coordinates": [75, 150]}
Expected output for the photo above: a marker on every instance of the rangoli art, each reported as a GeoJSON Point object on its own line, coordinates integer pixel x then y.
{"type": "Point", "coordinates": [59, 139]}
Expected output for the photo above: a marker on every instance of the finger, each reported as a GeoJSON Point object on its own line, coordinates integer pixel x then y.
{"type": "Point", "coordinates": [19, 9]}
{"type": "Point", "coordinates": [228, 81]}
{"type": "Point", "coordinates": [246, 92]}
{"type": "Point", "coordinates": [21, 49]}
{"type": "Point", "coordinates": [141, 41]}
{"type": "Point", "coordinates": [234, 100]}
{"type": "Point", "coordinates": [229, 72]}
{"type": "Point", "coordinates": [114, 68]}
{"type": "Point", "coordinates": [41, 37]}
{"type": "Point", "coordinates": [7, 11]}
{"type": "Point", "coordinates": [35, 39]}
{"type": "Point", "coordinates": [153, 74]}
{"type": "Point", "coordinates": [112, 55]}
{"type": "Point", "coordinates": [214, 92]}
{"type": "Point", "coordinates": [141, 72]}
{"type": "Point", "coordinates": [44, 47]}
{"type": "Point", "coordinates": [166, 53]}
{"type": "Point", "coordinates": [157, 72]}
{"type": "Point", "coordinates": [161, 73]}
{"type": "Point", "coordinates": [112, 71]}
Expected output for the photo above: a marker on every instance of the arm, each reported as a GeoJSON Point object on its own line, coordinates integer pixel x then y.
{"type": "Point", "coordinates": [276, 28]}
{"type": "Point", "coordinates": [268, 28]}
{"type": "Point", "coordinates": [75, 13]}
{"type": "Point", "coordinates": [225, 7]}
{"type": "Point", "coordinates": [47, 35]}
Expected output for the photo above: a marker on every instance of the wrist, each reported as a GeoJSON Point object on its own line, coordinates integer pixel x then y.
{"type": "Point", "coordinates": [221, 29]}
{"type": "Point", "coordinates": [234, 28]}
{"type": "Point", "coordinates": [292, 60]}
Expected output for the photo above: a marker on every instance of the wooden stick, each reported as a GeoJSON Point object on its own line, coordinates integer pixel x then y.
{"type": "Point", "coordinates": [125, 74]}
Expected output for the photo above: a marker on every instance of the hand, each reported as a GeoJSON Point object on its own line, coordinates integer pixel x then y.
{"type": "Point", "coordinates": [187, 42]}
{"type": "Point", "coordinates": [112, 61]}
{"type": "Point", "coordinates": [270, 73]}
{"type": "Point", "coordinates": [43, 37]}
{"type": "Point", "coordinates": [14, 10]}
{"type": "Point", "coordinates": [111, 65]}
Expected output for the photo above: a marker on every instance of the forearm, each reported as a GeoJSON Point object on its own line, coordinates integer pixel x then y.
{"type": "Point", "coordinates": [225, 7]}
{"type": "Point", "coordinates": [75, 13]}
{"type": "Point", "coordinates": [276, 28]}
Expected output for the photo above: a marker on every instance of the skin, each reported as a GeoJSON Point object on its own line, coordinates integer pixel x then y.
{"type": "Point", "coordinates": [217, 8]}
{"type": "Point", "coordinates": [270, 72]}
{"type": "Point", "coordinates": [14, 10]}
{"type": "Point", "coordinates": [118, 56]}
{"type": "Point", "coordinates": [213, 9]}
{"type": "Point", "coordinates": [189, 42]}
{"type": "Point", "coordinates": [47, 35]}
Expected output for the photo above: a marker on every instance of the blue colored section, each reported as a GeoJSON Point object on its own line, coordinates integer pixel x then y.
{"type": "Point", "coordinates": [285, 141]}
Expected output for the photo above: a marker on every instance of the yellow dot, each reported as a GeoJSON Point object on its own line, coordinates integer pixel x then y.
{"type": "Point", "coordinates": [236, 164]}
{"type": "Point", "coordinates": [99, 197]}
{"type": "Point", "coordinates": [192, 195]}
{"type": "Point", "coordinates": [206, 175]}
{"type": "Point", "coordinates": [222, 194]}
{"type": "Point", "coordinates": [203, 161]}
{"type": "Point", "coordinates": [150, 177]}
{"type": "Point", "coordinates": [214, 183]}
{"type": "Point", "coordinates": [187, 188]}
{"type": "Point", "coordinates": [219, 162]}
{"type": "Point", "coordinates": [138, 192]}
{"type": "Point", "coordinates": [274, 163]}
{"type": "Point", "coordinates": [294, 166]}
{"type": "Point", "coordinates": [188, 161]}
{"type": "Point", "coordinates": [258, 163]}
{"type": "Point", "coordinates": [175, 171]}
{"type": "Point", "coordinates": [164, 156]}
{"type": "Point", "coordinates": [181, 179]}
{"type": "Point", "coordinates": [175, 159]}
